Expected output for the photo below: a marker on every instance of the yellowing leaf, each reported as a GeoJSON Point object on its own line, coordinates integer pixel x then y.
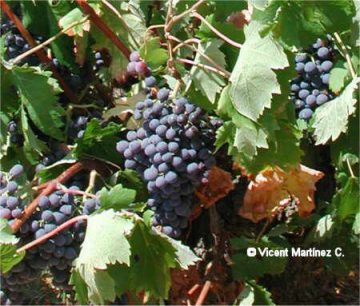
{"type": "Point", "coordinates": [273, 186]}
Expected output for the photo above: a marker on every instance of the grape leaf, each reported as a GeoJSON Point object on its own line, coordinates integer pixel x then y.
{"type": "Point", "coordinates": [101, 248]}
{"type": "Point", "coordinates": [117, 197]}
{"type": "Point", "coordinates": [33, 147]}
{"type": "Point", "coordinates": [99, 141]}
{"type": "Point", "coordinates": [338, 76]}
{"type": "Point", "coordinates": [254, 294]}
{"type": "Point", "coordinates": [154, 256]}
{"type": "Point", "coordinates": [271, 187]}
{"type": "Point", "coordinates": [331, 118]}
{"type": "Point", "coordinates": [8, 255]}
{"type": "Point", "coordinates": [153, 54]}
{"type": "Point", "coordinates": [347, 199]}
{"type": "Point", "coordinates": [131, 179]}
{"type": "Point", "coordinates": [209, 83]}
{"type": "Point", "coordinates": [247, 268]}
{"type": "Point", "coordinates": [298, 23]}
{"type": "Point", "coordinates": [253, 79]}
{"type": "Point", "coordinates": [38, 93]}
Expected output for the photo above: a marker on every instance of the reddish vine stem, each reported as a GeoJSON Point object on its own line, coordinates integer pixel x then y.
{"type": "Point", "coordinates": [75, 192]}
{"type": "Point", "coordinates": [204, 292]}
{"type": "Point", "coordinates": [52, 233]}
{"type": "Point", "coordinates": [203, 66]}
{"type": "Point", "coordinates": [51, 187]}
{"type": "Point", "coordinates": [40, 53]}
{"type": "Point", "coordinates": [103, 27]}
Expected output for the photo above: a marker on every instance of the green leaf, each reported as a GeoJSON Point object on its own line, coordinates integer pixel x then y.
{"type": "Point", "coordinates": [247, 268]}
{"type": "Point", "coordinates": [338, 75]}
{"type": "Point", "coordinates": [323, 229]}
{"type": "Point", "coordinates": [153, 54]}
{"type": "Point", "coordinates": [253, 79]}
{"type": "Point", "coordinates": [105, 244]}
{"type": "Point", "coordinates": [254, 294]}
{"type": "Point", "coordinates": [154, 256]}
{"type": "Point", "coordinates": [98, 141]}
{"type": "Point", "coordinates": [331, 118]}
{"type": "Point", "coordinates": [81, 292]}
{"type": "Point", "coordinates": [298, 23]}
{"type": "Point", "coordinates": [117, 197]}
{"type": "Point", "coordinates": [131, 179]}
{"type": "Point", "coordinates": [33, 147]}
{"type": "Point", "coordinates": [209, 83]}
{"type": "Point", "coordinates": [246, 297]}
{"type": "Point", "coordinates": [8, 255]}
{"type": "Point", "coordinates": [73, 16]}
{"type": "Point", "coordinates": [38, 93]}
{"type": "Point", "coordinates": [347, 200]}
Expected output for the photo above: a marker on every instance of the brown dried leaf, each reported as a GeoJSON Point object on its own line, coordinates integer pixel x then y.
{"type": "Point", "coordinates": [273, 186]}
{"type": "Point", "coordinates": [219, 185]}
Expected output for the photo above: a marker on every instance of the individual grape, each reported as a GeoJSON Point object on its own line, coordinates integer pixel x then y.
{"type": "Point", "coordinates": [54, 200]}
{"type": "Point", "coordinates": [134, 56]}
{"type": "Point", "coordinates": [153, 124]}
{"type": "Point", "coordinates": [163, 94]}
{"type": "Point", "coordinates": [131, 136]}
{"type": "Point", "coordinates": [299, 67]}
{"type": "Point", "coordinates": [192, 168]}
{"type": "Point", "coordinates": [47, 216]}
{"type": "Point", "coordinates": [170, 177]}
{"type": "Point", "coordinates": [323, 53]}
{"type": "Point", "coordinates": [150, 174]}
{"type": "Point", "coordinates": [44, 202]}
{"type": "Point", "coordinates": [66, 210]}
{"type": "Point", "coordinates": [173, 147]}
{"type": "Point", "coordinates": [121, 146]}
{"type": "Point", "coordinates": [321, 99]}
{"type": "Point", "coordinates": [16, 171]}
{"type": "Point", "coordinates": [5, 213]}
{"type": "Point", "coordinates": [326, 66]}
{"type": "Point", "coordinates": [141, 67]}
{"type": "Point", "coordinates": [162, 147]}
{"type": "Point", "coordinates": [150, 81]}
{"type": "Point", "coordinates": [12, 202]}
{"type": "Point", "coordinates": [310, 67]}
{"type": "Point", "coordinates": [325, 78]}
{"type": "Point", "coordinates": [301, 57]}
{"type": "Point", "coordinates": [305, 114]}
{"type": "Point", "coordinates": [311, 100]}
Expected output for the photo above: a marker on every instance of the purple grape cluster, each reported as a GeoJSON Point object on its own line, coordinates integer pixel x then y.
{"type": "Point", "coordinates": [16, 44]}
{"type": "Point", "coordinates": [172, 152]}
{"type": "Point", "coordinates": [15, 137]}
{"type": "Point", "coordinates": [310, 88]}
{"type": "Point", "coordinates": [11, 207]}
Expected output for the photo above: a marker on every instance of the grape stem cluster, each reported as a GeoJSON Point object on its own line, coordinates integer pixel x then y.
{"type": "Point", "coordinates": [50, 187]}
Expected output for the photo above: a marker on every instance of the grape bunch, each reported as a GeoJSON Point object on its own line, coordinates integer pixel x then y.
{"type": "Point", "coordinates": [172, 152]}
{"type": "Point", "coordinates": [15, 137]}
{"type": "Point", "coordinates": [310, 88]}
{"type": "Point", "coordinates": [16, 44]}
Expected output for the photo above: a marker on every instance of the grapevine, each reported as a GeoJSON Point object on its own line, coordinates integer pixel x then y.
{"type": "Point", "coordinates": [157, 152]}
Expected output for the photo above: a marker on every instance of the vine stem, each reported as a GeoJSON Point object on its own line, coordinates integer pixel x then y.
{"type": "Point", "coordinates": [346, 53]}
{"type": "Point", "coordinates": [52, 233]}
{"type": "Point", "coordinates": [203, 294]}
{"type": "Point", "coordinates": [175, 19]}
{"type": "Point", "coordinates": [350, 169]}
{"type": "Point", "coordinates": [116, 12]}
{"type": "Point", "coordinates": [47, 42]}
{"type": "Point", "coordinates": [218, 33]}
{"type": "Point", "coordinates": [103, 27]}
{"type": "Point", "coordinates": [50, 188]}
{"type": "Point", "coordinates": [209, 59]}
{"type": "Point", "coordinates": [40, 53]}
{"type": "Point", "coordinates": [262, 231]}
{"type": "Point", "coordinates": [203, 66]}
{"type": "Point", "coordinates": [75, 192]}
